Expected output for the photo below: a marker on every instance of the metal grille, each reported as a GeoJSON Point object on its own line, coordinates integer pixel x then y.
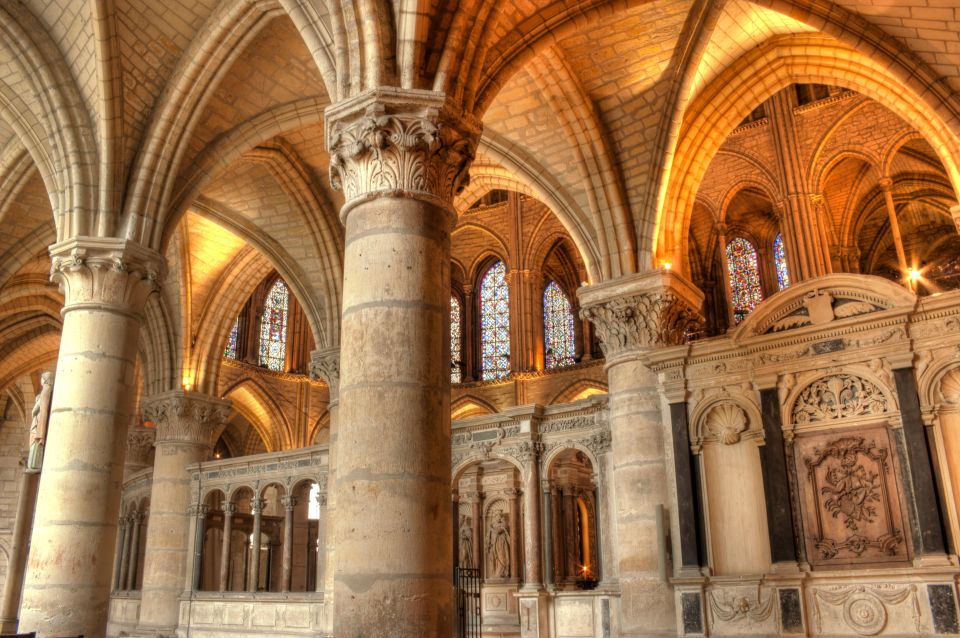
{"type": "Point", "coordinates": [468, 602]}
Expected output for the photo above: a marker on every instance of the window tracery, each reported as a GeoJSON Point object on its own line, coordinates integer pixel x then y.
{"type": "Point", "coordinates": [558, 332]}
{"type": "Point", "coordinates": [273, 327]}
{"type": "Point", "coordinates": [745, 291]}
{"type": "Point", "coordinates": [456, 339]}
{"type": "Point", "coordinates": [495, 323]}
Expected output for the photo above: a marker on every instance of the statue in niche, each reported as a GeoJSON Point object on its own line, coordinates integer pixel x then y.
{"type": "Point", "coordinates": [466, 542]}
{"type": "Point", "coordinates": [498, 547]}
{"type": "Point", "coordinates": [39, 422]}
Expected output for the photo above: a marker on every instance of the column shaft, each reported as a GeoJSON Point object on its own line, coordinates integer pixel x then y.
{"type": "Point", "coordinates": [134, 563]}
{"type": "Point", "coordinates": [105, 283]}
{"type": "Point", "coordinates": [321, 544]}
{"type": "Point", "coordinates": [515, 535]}
{"type": "Point", "coordinates": [255, 545]}
{"type": "Point", "coordinates": [532, 579]}
{"type": "Point", "coordinates": [548, 578]}
{"type": "Point", "coordinates": [223, 582]}
{"type": "Point", "coordinates": [287, 565]}
{"type": "Point", "coordinates": [125, 554]}
{"type": "Point", "coordinates": [17, 565]}
{"type": "Point", "coordinates": [186, 424]}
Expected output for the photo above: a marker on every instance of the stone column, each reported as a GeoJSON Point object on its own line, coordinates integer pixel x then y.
{"type": "Point", "coordinates": [886, 186]}
{"type": "Point", "coordinates": [513, 496]}
{"type": "Point", "coordinates": [289, 502]}
{"type": "Point", "coordinates": [187, 424]}
{"type": "Point", "coordinates": [469, 330]}
{"type": "Point", "coordinates": [256, 506]}
{"type": "Point", "coordinates": [134, 563]}
{"type": "Point", "coordinates": [549, 580]}
{"type": "Point", "coordinates": [570, 539]}
{"type": "Point", "coordinates": [633, 315]}
{"type": "Point", "coordinates": [476, 507]}
{"type": "Point", "coordinates": [725, 268]}
{"type": "Point", "coordinates": [123, 538]}
{"type": "Point", "coordinates": [325, 365]}
{"type": "Point", "coordinates": [532, 577]}
{"type": "Point", "coordinates": [224, 580]}
{"type": "Point", "coordinates": [321, 541]}
{"type": "Point", "coordinates": [17, 565]}
{"type": "Point", "coordinates": [399, 157]}
{"type": "Point", "coordinates": [105, 283]}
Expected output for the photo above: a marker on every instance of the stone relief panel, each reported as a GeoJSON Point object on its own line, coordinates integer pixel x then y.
{"type": "Point", "coordinates": [850, 498]}
{"type": "Point", "coordinates": [838, 396]}
{"type": "Point", "coordinates": [741, 610]}
{"type": "Point", "coordinates": [867, 609]}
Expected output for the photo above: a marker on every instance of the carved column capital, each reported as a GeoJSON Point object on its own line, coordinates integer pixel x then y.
{"type": "Point", "coordinates": [229, 508]}
{"type": "Point", "coordinates": [396, 142]}
{"type": "Point", "coordinates": [200, 510]}
{"type": "Point", "coordinates": [112, 274]}
{"type": "Point", "coordinates": [187, 417]}
{"type": "Point", "coordinates": [641, 312]}
{"type": "Point", "coordinates": [325, 366]}
{"type": "Point", "coordinates": [257, 505]}
{"type": "Point", "coordinates": [288, 502]}
{"type": "Point", "coordinates": [139, 443]}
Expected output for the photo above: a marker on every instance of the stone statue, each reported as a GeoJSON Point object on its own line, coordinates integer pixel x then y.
{"type": "Point", "coordinates": [39, 422]}
{"type": "Point", "coordinates": [466, 542]}
{"type": "Point", "coordinates": [498, 547]}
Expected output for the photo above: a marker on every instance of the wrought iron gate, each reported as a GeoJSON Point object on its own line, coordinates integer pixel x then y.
{"type": "Point", "coordinates": [468, 602]}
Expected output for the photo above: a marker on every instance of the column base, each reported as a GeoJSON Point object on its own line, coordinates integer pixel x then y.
{"type": "Point", "coordinates": [9, 625]}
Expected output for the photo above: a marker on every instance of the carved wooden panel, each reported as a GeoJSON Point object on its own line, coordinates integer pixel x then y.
{"type": "Point", "coordinates": [850, 498]}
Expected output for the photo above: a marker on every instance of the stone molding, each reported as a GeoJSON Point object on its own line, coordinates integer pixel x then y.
{"type": "Point", "coordinates": [325, 366]}
{"type": "Point", "coordinates": [187, 417]}
{"type": "Point", "coordinates": [642, 312]}
{"type": "Point", "coordinates": [399, 143]}
{"type": "Point", "coordinates": [112, 274]}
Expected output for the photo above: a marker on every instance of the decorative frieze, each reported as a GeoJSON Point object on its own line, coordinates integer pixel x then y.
{"type": "Point", "coordinates": [400, 143]}
{"type": "Point", "coordinates": [837, 397]}
{"type": "Point", "coordinates": [109, 273]}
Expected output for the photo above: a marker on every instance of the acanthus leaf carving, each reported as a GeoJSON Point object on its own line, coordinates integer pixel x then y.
{"type": "Point", "coordinates": [640, 321]}
{"type": "Point", "coordinates": [837, 397]}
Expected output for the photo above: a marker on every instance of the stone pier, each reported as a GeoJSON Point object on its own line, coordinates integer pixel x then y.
{"type": "Point", "coordinates": [399, 156]}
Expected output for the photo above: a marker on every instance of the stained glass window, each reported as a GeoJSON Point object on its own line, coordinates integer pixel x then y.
{"type": "Point", "coordinates": [495, 323]}
{"type": "Point", "coordinates": [558, 339]}
{"type": "Point", "coordinates": [744, 277]}
{"type": "Point", "coordinates": [455, 339]}
{"type": "Point", "coordinates": [230, 352]}
{"type": "Point", "coordinates": [273, 327]}
{"type": "Point", "coordinates": [780, 259]}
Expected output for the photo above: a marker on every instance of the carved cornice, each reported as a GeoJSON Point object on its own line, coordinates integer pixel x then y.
{"type": "Point", "coordinates": [187, 417]}
{"type": "Point", "coordinates": [641, 312]}
{"type": "Point", "coordinates": [325, 365]}
{"type": "Point", "coordinates": [112, 274]}
{"type": "Point", "coordinates": [394, 142]}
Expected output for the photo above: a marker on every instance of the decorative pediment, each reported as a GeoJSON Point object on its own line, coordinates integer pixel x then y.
{"type": "Point", "coordinates": [824, 300]}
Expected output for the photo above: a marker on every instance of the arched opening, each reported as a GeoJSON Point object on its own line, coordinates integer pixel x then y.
{"type": "Point", "coordinates": [575, 555]}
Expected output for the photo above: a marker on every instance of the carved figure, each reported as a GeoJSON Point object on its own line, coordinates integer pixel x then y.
{"type": "Point", "coordinates": [466, 542]}
{"type": "Point", "coordinates": [850, 490]}
{"type": "Point", "coordinates": [39, 422]}
{"type": "Point", "coordinates": [498, 547]}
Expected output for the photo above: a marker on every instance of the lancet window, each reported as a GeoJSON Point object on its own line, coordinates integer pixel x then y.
{"type": "Point", "coordinates": [780, 261]}
{"type": "Point", "coordinates": [495, 323]}
{"type": "Point", "coordinates": [273, 327]}
{"type": "Point", "coordinates": [456, 339]}
{"type": "Point", "coordinates": [745, 290]}
{"type": "Point", "coordinates": [558, 333]}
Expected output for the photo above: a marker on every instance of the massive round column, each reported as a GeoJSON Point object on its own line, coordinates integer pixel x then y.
{"type": "Point", "coordinates": [187, 425]}
{"type": "Point", "coordinates": [633, 316]}
{"type": "Point", "coordinates": [399, 157]}
{"type": "Point", "coordinates": [105, 283]}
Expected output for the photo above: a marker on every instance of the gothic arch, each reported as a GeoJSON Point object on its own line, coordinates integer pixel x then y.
{"type": "Point", "coordinates": [254, 402]}
{"type": "Point", "coordinates": [572, 391]}
{"type": "Point", "coordinates": [753, 78]}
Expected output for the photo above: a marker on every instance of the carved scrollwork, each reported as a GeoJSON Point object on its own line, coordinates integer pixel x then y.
{"type": "Point", "coordinates": [412, 145]}
{"type": "Point", "coordinates": [641, 321]}
{"type": "Point", "coordinates": [837, 397]}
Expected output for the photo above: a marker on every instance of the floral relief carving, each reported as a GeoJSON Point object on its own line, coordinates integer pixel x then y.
{"type": "Point", "coordinates": [736, 607]}
{"type": "Point", "coordinates": [837, 397]}
{"type": "Point", "coordinates": [851, 508]}
{"type": "Point", "coordinates": [864, 607]}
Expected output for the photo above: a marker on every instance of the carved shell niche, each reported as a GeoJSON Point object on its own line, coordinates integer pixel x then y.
{"type": "Point", "coordinates": [950, 387]}
{"type": "Point", "coordinates": [725, 422]}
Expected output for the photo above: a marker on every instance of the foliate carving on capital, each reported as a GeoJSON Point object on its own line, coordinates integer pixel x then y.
{"type": "Point", "coordinates": [257, 505]}
{"type": "Point", "coordinates": [185, 418]}
{"type": "Point", "coordinates": [641, 321]}
{"type": "Point", "coordinates": [139, 443]}
{"type": "Point", "coordinates": [394, 146]}
{"type": "Point", "coordinates": [325, 366]}
{"type": "Point", "coordinates": [113, 273]}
